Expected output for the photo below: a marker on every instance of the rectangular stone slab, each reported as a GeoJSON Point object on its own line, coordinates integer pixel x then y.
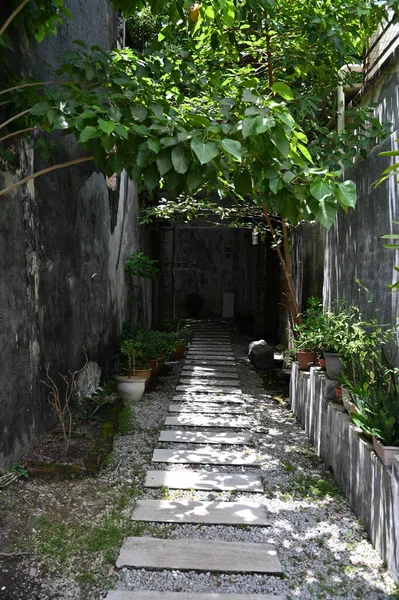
{"type": "Point", "coordinates": [184, 479]}
{"type": "Point", "coordinates": [208, 389]}
{"type": "Point", "coordinates": [207, 381]}
{"type": "Point", "coordinates": [199, 555]}
{"type": "Point", "coordinates": [205, 456]}
{"type": "Point", "coordinates": [207, 408]}
{"type": "Point", "coordinates": [204, 421]}
{"type": "Point", "coordinates": [214, 362]}
{"type": "Point", "coordinates": [209, 376]}
{"type": "Point", "coordinates": [200, 353]}
{"type": "Point", "coordinates": [211, 513]}
{"type": "Point", "coordinates": [153, 595]}
{"type": "Point", "coordinates": [227, 370]}
{"type": "Point", "coordinates": [197, 398]}
{"type": "Point", "coordinates": [199, 437]}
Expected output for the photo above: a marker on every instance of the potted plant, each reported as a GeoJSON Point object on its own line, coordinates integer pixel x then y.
{"type": "Point", "coordinates": [181, 333]}
{"type": "Point", "coordinates": [306, 334]}
{"type": "Point", "coordinates": [131, 387]}
{"type": "Point", "coordinates": [378, 413]}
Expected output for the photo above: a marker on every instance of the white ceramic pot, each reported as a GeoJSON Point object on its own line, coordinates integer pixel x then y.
{"type": "Point", "coordinates": [130, 388]}
{"type": "Point", "coordinates": [385, 453]}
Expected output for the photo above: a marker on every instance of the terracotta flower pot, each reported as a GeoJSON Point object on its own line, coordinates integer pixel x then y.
{"type": "Point", "coordinates": [305, 357]}
{"type": "Point", "coordinates": [178, 351]}
{"type": "Point", "coordinates": [153, 365]}
{"type": "Point", "coordinates": [146, 373]}
{"type": "Point", "coordinates": [338, 395]}
{"type": "Point", "coordinates": [322, 363]}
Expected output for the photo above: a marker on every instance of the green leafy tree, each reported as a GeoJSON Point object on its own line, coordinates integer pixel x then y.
{"type": "Point", "coordinates": [229, 98]}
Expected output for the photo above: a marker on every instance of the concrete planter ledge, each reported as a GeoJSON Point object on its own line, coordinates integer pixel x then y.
{"type": "Point", "coordinates": [371, 489]}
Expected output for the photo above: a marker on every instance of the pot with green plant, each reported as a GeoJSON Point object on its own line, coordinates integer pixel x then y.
{"type": "Point", "coordinates": [306, 334]}
{"type": "Point", "coordinates": [178, 328]}
{"type": "Point", "coordinates": [131, 386]}
{"type": "Point", "coordinates": [378, 413]}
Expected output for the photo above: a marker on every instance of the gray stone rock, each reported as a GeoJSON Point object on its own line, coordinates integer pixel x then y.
{"type": "Point", "coordinates": [88, 381]}
{"type": "Point", "coordinates": [261, 354]}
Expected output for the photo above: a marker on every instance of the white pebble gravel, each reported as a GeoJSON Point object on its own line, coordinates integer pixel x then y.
{"type": "Point", "coordinates": [321, 544]}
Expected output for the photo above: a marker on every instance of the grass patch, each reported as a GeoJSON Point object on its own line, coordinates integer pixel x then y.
{"type": "Point", "coordinates": [308, 487]}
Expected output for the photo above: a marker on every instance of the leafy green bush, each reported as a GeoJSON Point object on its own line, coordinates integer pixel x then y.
{"type": "Point", "coordinates": [141, 265]}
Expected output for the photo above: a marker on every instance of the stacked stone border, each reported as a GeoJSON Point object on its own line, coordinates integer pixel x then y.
{"type": "Point", "coordinates": [371, 489]}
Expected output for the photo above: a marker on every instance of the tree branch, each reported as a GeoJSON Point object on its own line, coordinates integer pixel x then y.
{"type": "Point", "coordinates": [19, 132]}
{"type": "Point", "coordinates": [21, 114]}
{"type": "Point", "coordinates": [69, 163]}
{"type": "Point", "coordinates": [12, 16]}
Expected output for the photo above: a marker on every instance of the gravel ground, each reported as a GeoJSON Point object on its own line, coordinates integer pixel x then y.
{"type": "Point", "coordinates": [321, 544]}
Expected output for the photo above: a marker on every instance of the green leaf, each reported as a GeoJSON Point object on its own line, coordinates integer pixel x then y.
{"type": "Point", "coordinates": [164, 163]}
{"type": "Point", "coordinates": [345, 193]}
{"type": "Point", "coordinates": [276, 185]}
{"type": "Point", "coordinates": [151, 178]}
{"type": "Point", "coordinates": [322, 189]}
{"type": "Point", "coordinates": [289, 176]}
{"type": "Point", "coordinates": [195, 177]}
{"type": "Point", "coordinates": [303, 150]}
{"type": "Point", "coordinates": [40, 108]}
{"type": "Point", "coordinates": [262, 124]}
{"type": "Point", "coordinates": [243, 182]}
{"type": "Point", "coordinates": [283, 90]}
{"type": "Point", "coordinates": [180, 159]}
{"type": "Point", "coordinates": [325, 210]}
{"type": "Point", "coordinates": [88, 133]}
{"type": "Point", "coordinates": [106, 126]}
{"type": "Point", "coordinates": [248, 126]}
{"type": "Point", "coordinates": [232, 147]}
{"type": "Point", "coordinates": [204, 151]}
{"type": "Point", "coordinates": [280, 140]}
{"type": "Point", "coordinates": [154, 145]}
{"type": "Point", "coordinates": [139, 112]}
{"type": "Point", "coordinates": [122, 131]}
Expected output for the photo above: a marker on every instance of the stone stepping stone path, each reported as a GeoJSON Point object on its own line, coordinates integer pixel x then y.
{"type": "Point", "coordinates": [146, 595]}
{"type": "Point", "coordinates": [212, 389]}
{"type": "Point", "coordinates": [203, 407]}
{"type": "Point", "coordinates": [199, 555]}
{"type": "Point", "coordinates": [205, 457]}
{"type": "Point", "coordinates": [180, 436]}
{"type": "Point", "coordinates": [205, 513]}
{"type": "Point", "coordinates": [209, 398]}
{"type": "Point", "coordinates": [197, 480]}
{"type": "Point", "coordinates": [199, 420]}
{"type": "Point", "coordinates": [208, 386]}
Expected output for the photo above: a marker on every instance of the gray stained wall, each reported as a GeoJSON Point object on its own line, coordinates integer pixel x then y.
{"type": "Point", "coordinates": [328, 263]}
{"type": "Point", "coordinates": [63, 243]}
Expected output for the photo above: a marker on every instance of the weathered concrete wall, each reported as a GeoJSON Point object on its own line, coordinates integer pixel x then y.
{"type": "Point", "coordinates": [63, 243]}
{"type": "Point", "coordinates": [371, 489]}
{"type": "Point", "coordinates": [353, 249]}
{"type": "Point", "coordinates": [209, 261]}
